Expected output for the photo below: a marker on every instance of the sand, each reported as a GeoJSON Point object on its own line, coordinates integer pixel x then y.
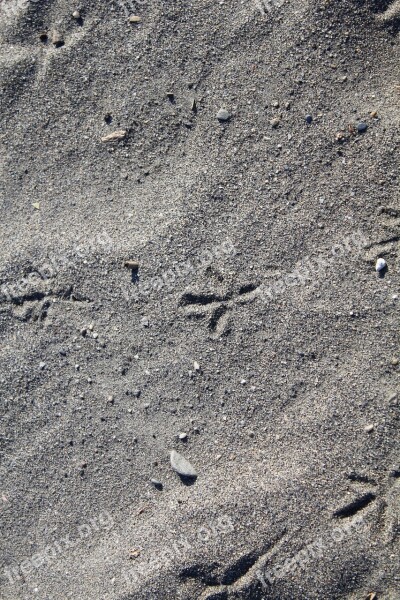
{"type": "Point", "coordinates": [256, 323]}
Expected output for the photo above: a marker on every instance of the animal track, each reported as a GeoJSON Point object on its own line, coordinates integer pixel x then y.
{"type": "Point", "coordinates": [33, 306]}
{"type": "Point", "coordinates": [238, 579]}
{"type": "Point", "coordinates": [349, 510]}
{"type": "Point", "coordinates": [389, 243]}
{"type": "Point", "coordinates": [386, 496]}
{"type": "Point", "coordinates": [216, 308]}
{"type": "Point", "coordinates": [390, 13]}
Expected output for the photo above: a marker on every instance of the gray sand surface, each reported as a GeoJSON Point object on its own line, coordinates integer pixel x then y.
{"type": "Point", "coordinates": [256, 323]}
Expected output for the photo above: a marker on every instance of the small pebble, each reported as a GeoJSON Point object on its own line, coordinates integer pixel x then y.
{"type": "Point", "coordinates": [196, 366]}
{"type": "Point", "coordinates": [380, 264]}
{"type": "Point", "coordinates": [309, 119]}
{"type": "Point", "coordinates": [134, 19]}
{"type": "Point", "coordinates": [76, 14]}
{"type": "Point", "coordinates": [361, 127]}
{"type": "Point", "coordinates": [395, 361]}
{"type": "Point", "coordinates": [157, 484]}
{"type": "Point", "coordinates": [115, 136]}
{"type": "Point", "coordinates": [145, 322]}
{"type": "Point", "coordinates": [56, 39]}
{"type": "Point", "coordinates": [223, 115]}
{"type": "Point", "coordinates": [42, 365]}
{"type": "Point", "coordinates": [340, 136]}
{"type": "Point", "coordinates": [369, 428]}
{"type": "Point", "coordinates": [275, 122]}
{"type": "Point", "coordinates": [131, 264]}
{"type": "Point", "coordinates": [183, 436]}
{"type": "Point", "coordinates": [181, 466]}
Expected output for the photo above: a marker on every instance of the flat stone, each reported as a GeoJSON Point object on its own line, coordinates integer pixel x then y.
{"type": "Point", "coordinates": [361, 127]}
{"type": "Point", "coordinates": [223, 115]}
{"type": "Point", "coordinates": [181, 466]}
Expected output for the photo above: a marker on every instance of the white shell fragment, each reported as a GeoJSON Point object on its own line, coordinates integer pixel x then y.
{"type": "Point", "coordinates": [182, 466]}
{"type": "Point", "coordinates": [380, 264]}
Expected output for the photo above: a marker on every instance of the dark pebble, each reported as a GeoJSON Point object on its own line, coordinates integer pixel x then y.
{"type": "Point", "coordinates": [157, 484]}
